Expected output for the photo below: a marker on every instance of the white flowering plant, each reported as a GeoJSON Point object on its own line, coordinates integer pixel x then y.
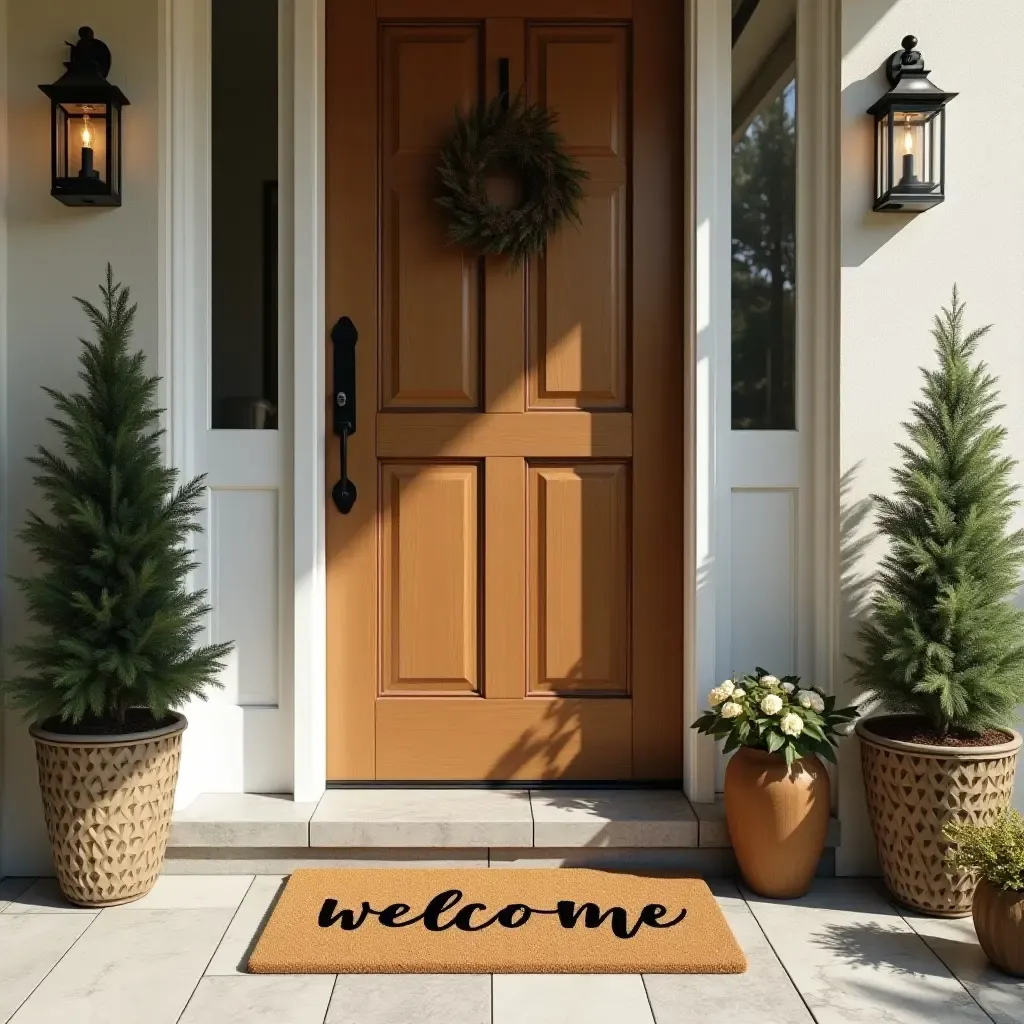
{"type": "Point", "coordinates": [762, 711]}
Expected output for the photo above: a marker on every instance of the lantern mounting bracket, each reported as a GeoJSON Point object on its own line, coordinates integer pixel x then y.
{"type": "Point", "coordinates": [905, 61]}
{"type": "Point", "coordinates": [89, 56]}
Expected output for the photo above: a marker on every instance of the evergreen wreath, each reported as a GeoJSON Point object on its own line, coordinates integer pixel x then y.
{"type": "Point", "coordinates": [517, 138]}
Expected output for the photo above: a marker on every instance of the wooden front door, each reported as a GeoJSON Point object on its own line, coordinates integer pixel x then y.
{"type": "Point", "coordinates": [505, 598]}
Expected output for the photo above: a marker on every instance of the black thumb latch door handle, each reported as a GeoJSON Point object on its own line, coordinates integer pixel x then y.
{"type": "Point", "coordinates": [344, 336]}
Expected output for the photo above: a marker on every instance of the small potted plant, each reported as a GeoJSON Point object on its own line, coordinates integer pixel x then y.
{"type": "Point", "coordinates": [994, 854]}
{"type": "Point", "coordinates": [114, 653]}
{"type": "Point", "coordinates": [777, 794]}
{"type": "Point", "coordinates": [943, 649]}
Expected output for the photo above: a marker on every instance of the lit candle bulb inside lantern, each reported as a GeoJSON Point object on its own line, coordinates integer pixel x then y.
{"type": "Point", "coordinates": [908, 153]}
{"type": "Point", "coordinates": [87, 170]}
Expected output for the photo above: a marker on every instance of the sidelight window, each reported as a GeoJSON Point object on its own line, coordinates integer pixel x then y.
{"type": "Point", "coordinates": [244, 158]}
{"type": "Point", "coordinates": [764, 234]}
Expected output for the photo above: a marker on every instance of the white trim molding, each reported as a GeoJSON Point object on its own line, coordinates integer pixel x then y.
{"type": "Point", "coordinates": [709, 52]}
{"type": "Point", "coordinates": [275, 742]}
{"type": "Point", "coordinates": [310, 573]}
{"type": "Point", "coordinates": [184, 212]}
{"type": "Point", "coordinates": [819, 60]}
{"type": "Point", "coordinates": [782, 482]}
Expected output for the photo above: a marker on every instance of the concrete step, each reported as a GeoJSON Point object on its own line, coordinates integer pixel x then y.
{"type": "Point", "coordinates": [635, 828]}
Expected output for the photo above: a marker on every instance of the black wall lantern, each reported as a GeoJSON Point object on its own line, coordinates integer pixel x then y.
{"type": "Point", "coordinates": [85, 127]}
{"type": "Point", "coordinates": [910, 136]}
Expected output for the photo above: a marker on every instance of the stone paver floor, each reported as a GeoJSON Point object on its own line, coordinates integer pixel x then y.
{"type": "Point", "coordinates": [842, 953]}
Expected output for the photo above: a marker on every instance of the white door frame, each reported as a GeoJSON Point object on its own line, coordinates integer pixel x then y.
{"type": "Point", "coordinates": [184, 331]}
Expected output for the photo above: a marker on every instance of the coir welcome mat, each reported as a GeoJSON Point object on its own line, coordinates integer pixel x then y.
{"type": "Point", "coordinates": [494, 921]}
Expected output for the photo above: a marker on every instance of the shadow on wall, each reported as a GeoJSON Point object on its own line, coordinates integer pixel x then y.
{"type": "Point", "coordinates": [864, 231]}
{"type": "Point", "coordinates": [859, 18]}
{"type": "Point", "coordinates": [856, 578]}
{"type": "Point", "coordinates": [856, 534]}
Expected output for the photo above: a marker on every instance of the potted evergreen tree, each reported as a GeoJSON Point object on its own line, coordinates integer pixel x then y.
{"type": "Point", "coordinates": [943, 651]}
{"type": "Point", "coordinates": [115, 652]}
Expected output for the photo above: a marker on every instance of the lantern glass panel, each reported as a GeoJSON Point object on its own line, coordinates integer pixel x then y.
{"type": "Point", "coordinates": [114, 119]}
{"type": "Point", "coordinates": [83, 142]}
{"type": "Point", "coordinates": [909, 164]}
{"type": "Point", "coordinates": [60, 142]}
{"type": "Point", "coordinates": [916, 142]}
{"type": "Point", "coordinates": [882, 184]}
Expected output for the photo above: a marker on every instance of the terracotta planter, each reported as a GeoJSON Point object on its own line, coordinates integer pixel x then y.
{"type": "Point", "coordinates": [107, 801]}
{"type": "Point", "coordinates": [999, 922]}
{"type": "Point", "coordinates": [778, 819]}
{"type": "Point", "coordinates": [913, 790]}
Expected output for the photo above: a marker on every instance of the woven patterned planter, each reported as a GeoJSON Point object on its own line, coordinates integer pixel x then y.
{"type": "Point", "coordinates": [912, 791]}
{"type": "Point", "coordinates": [107, 801]}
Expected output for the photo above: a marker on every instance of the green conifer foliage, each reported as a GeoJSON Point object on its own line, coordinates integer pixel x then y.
{"type": "Point", "coordinates": [117, 625]}
{"type": "Point", "coordinates": [944, 642]}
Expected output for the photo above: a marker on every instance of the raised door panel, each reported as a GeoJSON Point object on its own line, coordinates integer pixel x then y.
{"type": "Point", "coordinates": [579, 317]}
{"type": "Point", "coordinates": [579, 578]}
{"type": "Point", "coordinates": [430, 302]}
{"type": "Point", "coordinates": [430, 578]}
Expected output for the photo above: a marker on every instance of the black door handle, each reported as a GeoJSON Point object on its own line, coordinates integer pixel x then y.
{"type": "Point", "coordinates": [344, 336]}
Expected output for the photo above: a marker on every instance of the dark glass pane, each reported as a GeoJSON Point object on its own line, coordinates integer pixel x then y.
{"type": "Point", "coordinates": [764, 268]}
{"type": "Point", "coordinates": [244, 214]}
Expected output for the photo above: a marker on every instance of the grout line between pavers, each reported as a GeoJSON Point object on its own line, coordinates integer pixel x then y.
{"type": "Point", "coordinates": [938, 956]}
{"type": "Point", "coordinates": [650, 1005]}
{"type": "Point", "coordinates": [231, 921]}
{"type": "Point", "coordinates": [779, 960]}
{"type": "Point", "coordinates": [227, 927]}
{"type": "Point", "coordinates": [8, 903]}
{"type": "Point", "coordinates": [85, 931]}
{"type": "Point", "coordinates": [330, 999]}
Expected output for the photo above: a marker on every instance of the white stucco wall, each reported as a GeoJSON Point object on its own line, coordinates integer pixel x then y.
{"type": "Point", "coordinates": [897, 270]}
{"type": "Point", "coordinates": [61, 252]}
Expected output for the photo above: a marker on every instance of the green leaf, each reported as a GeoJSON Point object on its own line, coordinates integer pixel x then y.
{"type": "Point", "coordinates": [775, 741]}
{"type": "Point", "coordinates": [813, 730]}
{"type": "Point", "coordinates": [825, 750]}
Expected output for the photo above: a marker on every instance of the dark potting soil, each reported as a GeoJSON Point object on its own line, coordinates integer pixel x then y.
{"type": "Point", "coordinates": [135, 720]}
{"type": "Point", "coordinates": [916, 730]}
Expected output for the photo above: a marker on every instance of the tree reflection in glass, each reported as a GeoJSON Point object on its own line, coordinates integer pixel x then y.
{"type": "Point", "coordinates": [764, 268]}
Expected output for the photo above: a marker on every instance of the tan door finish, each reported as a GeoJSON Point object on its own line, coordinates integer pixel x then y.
{"type": "Point", "coordinates": [505, 599]}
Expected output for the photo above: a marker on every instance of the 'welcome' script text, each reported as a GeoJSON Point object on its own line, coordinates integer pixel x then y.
{"type": "Point", "coordinates": [513, 915]}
